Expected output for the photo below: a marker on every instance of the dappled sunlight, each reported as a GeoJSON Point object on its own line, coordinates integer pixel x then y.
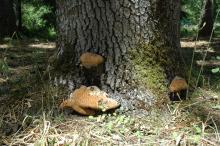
{"type": "Point", "coordinates": [6, 46]}
{"type": "Point", "coordinates": [31, 45]}
{"type": "Point", "coordinates": [192, 44]}
{"type": "Point", "coordinates": [50, 45]}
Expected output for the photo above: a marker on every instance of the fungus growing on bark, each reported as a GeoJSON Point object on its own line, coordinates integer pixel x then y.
{"type": "Point", "coordinates": [89, 100]}
{"type": "Point", "coordinates": [92, 68]}
{"type": "Point", "coordinates": [178, 89]}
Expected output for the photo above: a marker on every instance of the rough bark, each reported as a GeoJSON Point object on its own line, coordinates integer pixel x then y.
{"type": "Point", "coordinates": [7, 18]}
{"type": "Point", "coordinates": [207, 19]}
{"type": "Point", "coordinates": [138, 39]}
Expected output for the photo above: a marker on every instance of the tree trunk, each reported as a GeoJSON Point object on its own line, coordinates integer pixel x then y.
{"type": "Point", "coordinates": [207, 19]}
{"type": "Point", "coordinates": [7, 18]}
{"type": "Point", "coordinates": [138, 39]}
{"type": "Point", "coordinates": [17, 12]}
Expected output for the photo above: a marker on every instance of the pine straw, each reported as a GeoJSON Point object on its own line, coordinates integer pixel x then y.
{"type": "Point", "coordinates": [164, 128]}
{"type": "Point", "coordinates": [75, 132]}
{"type": "Point", "coordinates": [43, 131]}
{"type": "Point", "coordinates": [171, 125]}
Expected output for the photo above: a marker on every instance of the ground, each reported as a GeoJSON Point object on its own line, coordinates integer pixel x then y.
{"type": "Point", "coordinates": [29, 113]}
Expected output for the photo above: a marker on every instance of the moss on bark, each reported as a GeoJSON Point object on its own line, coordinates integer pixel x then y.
{"type": "Point", "coordinates": [150, 66]}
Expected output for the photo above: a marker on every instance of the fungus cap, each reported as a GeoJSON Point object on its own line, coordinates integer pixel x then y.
{"type": "Point", "coordinates": [178, 84]}
{"type": "Point", "coordinates": [89, 60]}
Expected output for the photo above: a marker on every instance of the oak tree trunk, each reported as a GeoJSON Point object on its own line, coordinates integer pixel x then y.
{"type": "Point", "coordinates": [138, 39]}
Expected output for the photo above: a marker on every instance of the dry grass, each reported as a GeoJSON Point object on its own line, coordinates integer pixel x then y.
{"type": "Point", "coordinates": [171, 126]}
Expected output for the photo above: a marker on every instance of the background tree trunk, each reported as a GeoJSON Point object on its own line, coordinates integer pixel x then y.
{"type": "Point", "coordinates": [207, 19]}
{"type": "Point", "coordinates": [7, 18]}
{"type": "Point", "coordinates": [17, 12]}
{"type": "Point", "coordinates": [138, 39]}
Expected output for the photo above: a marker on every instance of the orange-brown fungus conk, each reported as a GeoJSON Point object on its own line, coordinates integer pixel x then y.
{"type": "Point", "coordinates": [89, 60]}
{"type": "Point", "coordinates": [89, 100]}
{"type": "Point", "coordinates": [178, 88]}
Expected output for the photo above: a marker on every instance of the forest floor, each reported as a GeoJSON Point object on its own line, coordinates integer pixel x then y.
{"type": "Point", "coordinates": [29, 113]}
